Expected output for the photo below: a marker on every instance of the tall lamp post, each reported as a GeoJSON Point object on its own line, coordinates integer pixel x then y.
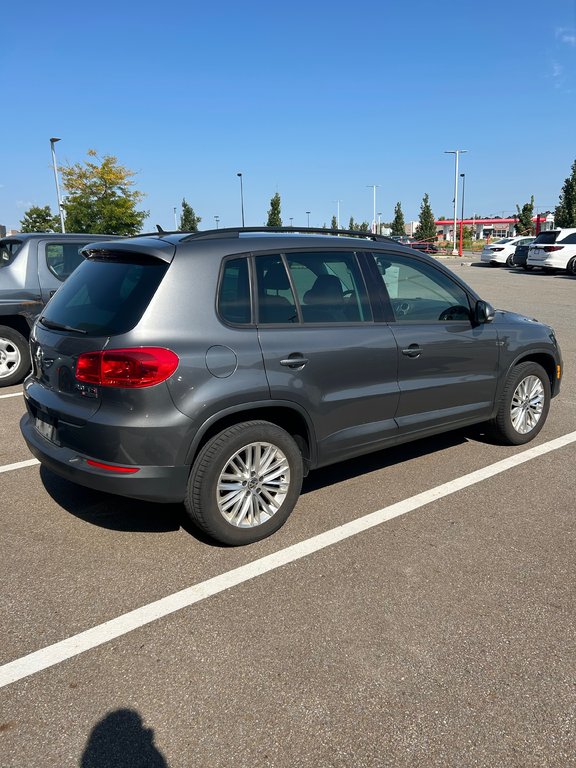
{"type": "Point", "coordinates": [338, 213]}
{"type": "Point", "coordinates": [374, 186]}
{"type": "Point", "coordinates": [175, 219]}
{"type": "Point", "coordinates": [217, 220]}
{"type": "Point", "coordinates": [463, 177]}
{"type": "Point", "coordinates": [456, 153]}
{"type": "Point", "coordinates": [241, 196]}
{"type": "Point", "coordinates": [308, 214]}
{"type": "Point", "coordinates": [52, 142]}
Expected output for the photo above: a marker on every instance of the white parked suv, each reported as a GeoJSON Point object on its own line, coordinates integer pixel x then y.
{"type": "Point", "coordinates": [502, 251]}
{"type": "Point", "coordinates": [555, 249]}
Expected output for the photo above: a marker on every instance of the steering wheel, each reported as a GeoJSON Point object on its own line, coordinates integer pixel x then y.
{"type": "Point", "coordinates": [456, 312]}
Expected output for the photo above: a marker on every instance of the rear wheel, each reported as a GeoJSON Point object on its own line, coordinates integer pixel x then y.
{"type": "Point", "coordinates": [14, 356]}
{"type": "Point", "coordinates": [571, 268]}
{"type": "Point", "coordinates": [510, 260]}
{"type": "Point", "coordinates": [245, 483]}
{"type": "Point", "coordinates": [524, 405]}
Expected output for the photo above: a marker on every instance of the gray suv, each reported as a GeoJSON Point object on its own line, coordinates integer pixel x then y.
{"type": "Point", "coordinates": [217, 368]}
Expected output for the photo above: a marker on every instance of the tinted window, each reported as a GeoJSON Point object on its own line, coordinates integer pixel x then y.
{"type": "Point", "coordinates": [106, 297]}
{"type": "Point", "coordinates": [8, 250]}
{"type": "Point", "coordinates": [571, 239]}
{"type": "Point", "coordinates": [63, 258]}
{"type": "Point", "coordinates": [420, 293]}
{"type": "Point", "coordinates": [276, 302]}
{"type": "Point", "coordinates": [546, 238]}
{"type": "Point", "coordinates": [329, 287]}
{"type": "Point", "coordinates": [234, 293]}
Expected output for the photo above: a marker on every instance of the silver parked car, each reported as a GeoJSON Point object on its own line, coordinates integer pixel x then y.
{"type": "Point", "coordinates": [218, 368]}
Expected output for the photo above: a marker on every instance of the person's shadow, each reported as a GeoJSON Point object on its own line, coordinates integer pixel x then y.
{"type": "Point", "coordinates": [120, 740]}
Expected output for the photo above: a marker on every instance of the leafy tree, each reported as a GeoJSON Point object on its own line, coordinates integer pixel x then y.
{"type": "Point", "coordinates": [334, 223]}
{"type": "Point", "coordinates": [38, 219]}
{"type": "Point", "coordinates": [351, 224]}
{"type": "Point", "coordinates": [274, 218]}
{"type": "Point", "coordinates": [565, 214]}
{"type": "Point", "coordinates": [398, 225]}
{"type": "Point", "coordinates": [524, 224]}
{"type": "Point", "coordinates": [99, 197]}
{"type": "Point", "coordinates": [188, 220]}
{"type": "Point", "coordinates": [364, 227]}
{"type": "Point", "coordinates": [426, 229]}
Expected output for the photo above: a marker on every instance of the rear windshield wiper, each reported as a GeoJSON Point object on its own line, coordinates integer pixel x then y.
{"type": "Point", "coordinates": [59, 326]}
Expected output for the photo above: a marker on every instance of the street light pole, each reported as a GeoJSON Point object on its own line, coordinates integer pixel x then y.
{"type": "Point", "coordinates": [241, 196]}
{"type": "Point", "coordinates": [338, 213]}
{"type": "Point", "coordinates": [456, 153]}
{"type": "Point", "coordinates": [52, 142]}
{"type": "Point", "coordinates": [463, 177]}
{"type": "Point", "coordinates": [217, 220]}
{"type": "Point", "coordinates": [175, 219]}
{"type": "Point", "coordinates": [374, 215]}
{"type": "Point", "coordinates": [308, 214]}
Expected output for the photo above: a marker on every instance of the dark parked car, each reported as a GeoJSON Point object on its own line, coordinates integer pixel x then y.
{"type": "Point", "coordinates": [217, 368]}
{"type": "Point", "coordinates": [424, 247]}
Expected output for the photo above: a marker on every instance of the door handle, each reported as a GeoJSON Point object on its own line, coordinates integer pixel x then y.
{"type": "Point", "coordinates": [297, 361]}
{"type": "Point", "coordinates": [414, 350]}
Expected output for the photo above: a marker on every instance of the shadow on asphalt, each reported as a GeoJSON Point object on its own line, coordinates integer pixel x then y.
{"type": "Point", "coordinates": [118, 513]}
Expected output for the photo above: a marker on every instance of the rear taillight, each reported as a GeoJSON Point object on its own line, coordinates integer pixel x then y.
{"type": "Point", "coordinates": [550, 248]}
{"type": "Point", "coordinates": [496, 249]}
{"type": "Point", "coordinates": [131, 368]}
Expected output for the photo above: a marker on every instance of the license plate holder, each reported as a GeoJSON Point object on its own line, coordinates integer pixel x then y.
{"type": "Point", "coordinates": [45, 428]}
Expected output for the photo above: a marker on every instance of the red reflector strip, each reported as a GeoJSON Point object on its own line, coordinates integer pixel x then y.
{"type": "Point", "coordinates": [110, 468]}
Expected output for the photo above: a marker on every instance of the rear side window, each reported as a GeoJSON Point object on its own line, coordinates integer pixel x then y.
{"type": "Point", "coordinates": [570, 240]}
{"type": "Point", "coordinates": [63, 258]}
{"type": "Point", "coordinates": [106, 297]}
{"type": "Point", "coordinates": [8, 250]}
{"type": "Point", "coordinates": [234, 293]}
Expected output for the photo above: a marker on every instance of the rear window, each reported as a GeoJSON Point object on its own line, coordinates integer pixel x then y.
{"type": "Point", "coordinates": [106, 297]}
{"type": "Point", "coordinates": [546, 238]}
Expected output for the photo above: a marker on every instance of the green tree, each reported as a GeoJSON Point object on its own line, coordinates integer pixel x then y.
{"type": "Point", "coordinates": [398, 225]}
{"type": "Point", "coordinates": [351, 224]}
{"type": "Point", "coordinates": [38, 219]}
{"type": "Point", "coordinates": [565, 214]}
{"type": "Point", "coordinates": [100, 198]}
{"type": "Point", "coordinates": [334, 223]}
{"type": "Point", "coordinates": [426, 229]}
{"type": "Point", "coordinates": [523, 217]}
{"type": "Point", "coordinates": [274, 218]}
{"type": "Point", "coordinates": [188, 220]}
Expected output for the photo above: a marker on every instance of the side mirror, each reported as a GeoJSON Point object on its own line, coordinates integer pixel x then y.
{"type": "Point", "coordinates": [484, 312]}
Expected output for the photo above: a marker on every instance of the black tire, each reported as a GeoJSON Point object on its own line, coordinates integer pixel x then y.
{"type": "Point", "coordinates": [516, 423]}
{"type": "Point", "coordinates": [571, 266]}
{"type": "Point", "coordinates": [254, 441]}
{"type": "Point", "coordinates": [14, 356]}
{"type": "Point", "coordinates": [510, 261]}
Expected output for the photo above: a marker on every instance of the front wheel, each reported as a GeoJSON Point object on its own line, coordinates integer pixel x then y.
{"type": "Point", "coordinates": [244, 483]}
{"type": "Point", "coordinates": [14, 356]}
{"type": "Point", "coordinates": [524, 405]}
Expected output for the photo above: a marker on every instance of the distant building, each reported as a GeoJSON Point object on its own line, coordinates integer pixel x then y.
{"type": "Point", "coordinates": [487, 229]}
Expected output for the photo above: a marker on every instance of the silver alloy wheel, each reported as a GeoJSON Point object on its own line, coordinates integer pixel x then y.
{"type": "Point", "coordinates": [253, 485]}
{"type": "Point", "coordinates": [527, 404]}
{"type": "Point", "coordinates": [10, 357]}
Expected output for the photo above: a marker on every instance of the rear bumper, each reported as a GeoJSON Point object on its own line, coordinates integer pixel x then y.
{"type": "Point", "coordinates": [149, 483]}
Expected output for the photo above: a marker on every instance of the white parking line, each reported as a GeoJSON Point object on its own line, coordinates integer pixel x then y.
{"type": "Point", "coordinates": [19, 465]}
{"type": "Point", "coordinates": [12, 394]}
{"type": "Point", "coordinates": [103, 633]}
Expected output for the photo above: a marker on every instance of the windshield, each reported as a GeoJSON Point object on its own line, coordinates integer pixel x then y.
{"type": "Point", "coordinates": [503, 240]}
{"type": "Point", "coordinates": [8, 251]}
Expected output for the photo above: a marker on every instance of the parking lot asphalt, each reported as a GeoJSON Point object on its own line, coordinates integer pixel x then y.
{"type": "Point", "coordinates": [444, 636]}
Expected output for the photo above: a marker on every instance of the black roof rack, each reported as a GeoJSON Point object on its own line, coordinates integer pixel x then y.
{"type": "Point", "coordinates": [237, 231]}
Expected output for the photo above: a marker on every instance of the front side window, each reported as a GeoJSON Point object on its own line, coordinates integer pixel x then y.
{"type": "Point", "coordinates": [420, 293]}
{"type": "Point", "coordinates": [63, 258]}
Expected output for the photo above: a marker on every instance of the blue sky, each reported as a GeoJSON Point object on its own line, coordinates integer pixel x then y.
{"type": "Point", "coordinates": [315, 100]}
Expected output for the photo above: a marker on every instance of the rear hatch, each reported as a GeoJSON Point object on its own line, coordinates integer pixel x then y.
{"type": "Point", "coordinates": [105, 297]}
{"type": "Point", "coordinates": [543, 245]}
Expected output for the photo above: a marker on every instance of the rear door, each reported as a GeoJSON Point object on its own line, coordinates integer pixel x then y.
{"type": "Point", "coordinates": [447, 366]}
{"type": "Point", "coordinates": [324, 351]}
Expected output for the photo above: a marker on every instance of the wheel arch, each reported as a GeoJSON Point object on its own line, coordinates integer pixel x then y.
{"type": "Point", "coordinates": [291, 419]}
{"type": "Point", "coordinates": [546, 360]}
{"type": "Point", "coordinates": [16, 323]}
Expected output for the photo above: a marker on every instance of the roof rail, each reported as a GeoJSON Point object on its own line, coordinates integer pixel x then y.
{"type": "Point", "coordinates": [237, 231]}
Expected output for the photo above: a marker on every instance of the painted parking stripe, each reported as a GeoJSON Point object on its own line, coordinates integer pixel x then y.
{"type": "Point", "coordinates": [19, 465]}
{"type": "Point", "coordinates": [121, 625]}
{"type": "Point", "coordinates": [13, 394]}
